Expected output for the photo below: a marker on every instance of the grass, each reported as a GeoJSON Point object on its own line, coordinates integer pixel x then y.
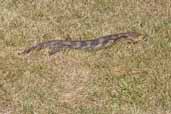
{"type": "Point", "coordinates": [126, 78]}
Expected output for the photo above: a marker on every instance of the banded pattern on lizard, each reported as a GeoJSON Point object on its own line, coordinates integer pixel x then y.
{"type": "Point", "coordinates": [100, 42]}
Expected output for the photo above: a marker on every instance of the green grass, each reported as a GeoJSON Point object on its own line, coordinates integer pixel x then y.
{"type": "Point", "coordinates": [122, 79]}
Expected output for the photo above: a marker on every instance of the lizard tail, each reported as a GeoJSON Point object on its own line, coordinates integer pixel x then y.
{"type": "Point", "coordinates": [37, 47]}
{"type": "Point", "coordinates": [28, 50]}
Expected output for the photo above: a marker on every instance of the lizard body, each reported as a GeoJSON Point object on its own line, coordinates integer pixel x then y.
{"type": "Point", "coordinates": [56, 45]}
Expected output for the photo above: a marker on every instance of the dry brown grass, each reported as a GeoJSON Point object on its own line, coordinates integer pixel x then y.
{"type": "Point", "coordinates": [126, 78]}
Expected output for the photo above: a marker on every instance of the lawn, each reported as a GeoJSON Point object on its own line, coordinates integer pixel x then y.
{"type": "Point", "coordinates": [122, 79]}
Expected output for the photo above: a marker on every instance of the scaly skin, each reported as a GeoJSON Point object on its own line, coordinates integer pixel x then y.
{"type": "Point", "coordinates": [100, 42]}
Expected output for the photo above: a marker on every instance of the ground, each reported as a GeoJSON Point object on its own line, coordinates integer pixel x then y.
{"type": "Point", "coordinates": [122, 79]}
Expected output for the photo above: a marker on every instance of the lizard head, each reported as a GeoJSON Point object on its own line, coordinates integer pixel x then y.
{"type": "Point", "coordinates": [129, 36]}
{"type": "Point", "coordinates": [133, 34]}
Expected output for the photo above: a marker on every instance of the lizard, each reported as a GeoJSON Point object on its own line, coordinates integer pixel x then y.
{"type": "Point", "coordinates": [99, 42]}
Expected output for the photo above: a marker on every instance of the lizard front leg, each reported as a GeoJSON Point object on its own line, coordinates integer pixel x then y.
{"type": "Point", "coordinates": [53, 50]}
